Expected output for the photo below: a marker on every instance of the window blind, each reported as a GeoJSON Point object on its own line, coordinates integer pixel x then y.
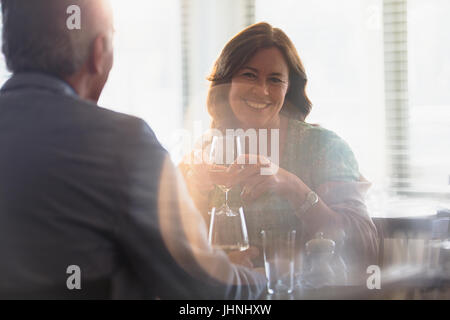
{"type": "Point", "coordinates": [206, 26]}
{"type": "Point", "coordinates": [416, 105]}
{"type": "Point", "coordinates": [249, 12]}
{"type": "Point", "coordinates": [396, 94]}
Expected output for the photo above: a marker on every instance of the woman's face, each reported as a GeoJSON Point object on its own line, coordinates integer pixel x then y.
{"type": "Point", "coordinates": [257, 90]}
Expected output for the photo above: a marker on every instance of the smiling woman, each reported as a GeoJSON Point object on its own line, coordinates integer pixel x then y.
{"type": "Point", "coordinates": [278, 69]}
{"type": "Point", "coordinates": [257, 91]}
{"type": "Point", "coordinates": [258, 82]}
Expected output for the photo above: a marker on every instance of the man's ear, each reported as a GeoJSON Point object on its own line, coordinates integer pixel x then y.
{"type": "Point", "coordinates": [97, 56]}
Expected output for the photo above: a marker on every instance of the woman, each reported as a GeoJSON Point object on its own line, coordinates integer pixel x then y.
{"type": "Point", "coordinates": [259, 82]}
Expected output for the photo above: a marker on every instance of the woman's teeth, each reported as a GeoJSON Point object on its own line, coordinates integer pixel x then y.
{"type": "Point", "coordinates": [256, 105]}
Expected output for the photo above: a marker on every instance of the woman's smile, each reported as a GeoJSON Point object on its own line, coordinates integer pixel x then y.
{"type": "Point", "coordinates": [256, 105]}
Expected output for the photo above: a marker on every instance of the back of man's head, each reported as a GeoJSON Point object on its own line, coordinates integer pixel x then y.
{"type": "Point", "coordinates": [37, 38]}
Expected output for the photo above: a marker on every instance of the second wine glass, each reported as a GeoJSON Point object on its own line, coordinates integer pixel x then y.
{"type": "Point", "coordinates": [223, 152]}
{"type": "Point", "coordinates": [228, 230]}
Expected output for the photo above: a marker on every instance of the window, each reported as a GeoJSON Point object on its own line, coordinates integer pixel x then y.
{"type": "Point", "coordinates": [378, 76]}
{"type": "Point", "coordinates": [146, 78]}
{"type": "Point", "coordinates": [207, 26]}
{"type": "Point", "coordinates": [341, 46]}
{"type": "Point", "coordinates": [429, 95]}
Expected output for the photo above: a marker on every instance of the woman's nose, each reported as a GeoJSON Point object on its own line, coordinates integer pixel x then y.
{"type": "Point", "coordinates": [261, 87]}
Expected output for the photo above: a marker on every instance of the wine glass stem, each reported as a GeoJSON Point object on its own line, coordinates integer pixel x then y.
{"type": "Point", "coordinates": [226, 199]}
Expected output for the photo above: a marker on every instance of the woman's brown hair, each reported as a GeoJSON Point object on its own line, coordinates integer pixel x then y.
{"type": "Point", "coordinates": [236, 53]}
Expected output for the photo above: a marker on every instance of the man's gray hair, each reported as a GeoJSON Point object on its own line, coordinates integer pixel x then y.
{"type": "Point", "coordinates": [36, 37]}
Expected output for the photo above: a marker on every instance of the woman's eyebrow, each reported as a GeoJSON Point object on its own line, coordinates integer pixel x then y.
{"type": "Point", "coordinates": [250, 68]}
{"type": "Point", "coordinates": [256, 70]}
{"type": "Point", "coordinates": [277, 74]}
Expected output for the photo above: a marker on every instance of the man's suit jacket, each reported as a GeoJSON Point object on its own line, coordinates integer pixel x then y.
{"type": "Point", "coordinates": [79, 187]}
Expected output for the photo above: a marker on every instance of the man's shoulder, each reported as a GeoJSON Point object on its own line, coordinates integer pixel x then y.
{"type": "Point", "coordinates": [123, 126]}
{"type": "Point", "coordinates": [122, 122]}
{"type": "Point", "coordinates": [74, 117]}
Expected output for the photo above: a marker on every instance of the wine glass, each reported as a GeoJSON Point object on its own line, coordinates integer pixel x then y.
{"type": "Point", "coordinates": [224, 151]}
{"type": "Point", "coordinates": [227, 230]}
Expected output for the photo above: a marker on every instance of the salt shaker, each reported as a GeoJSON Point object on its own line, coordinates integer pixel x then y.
{"type": "Point", "coordinates": [319, 262]}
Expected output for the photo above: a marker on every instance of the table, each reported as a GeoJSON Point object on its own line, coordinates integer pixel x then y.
{"type": "Point", "coordinates": [418, 285]}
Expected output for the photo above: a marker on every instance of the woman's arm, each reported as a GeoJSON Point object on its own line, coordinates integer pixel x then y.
{"type": "Point", "coordinates": [335, 179]}
{"type": "Point", "coordinates": [341, 190]}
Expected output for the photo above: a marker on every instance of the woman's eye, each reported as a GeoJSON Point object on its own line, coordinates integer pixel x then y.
{"type": "Point", "coordinates": [276, 80]}
{"type": "Point", "coordinates": [249, 75]}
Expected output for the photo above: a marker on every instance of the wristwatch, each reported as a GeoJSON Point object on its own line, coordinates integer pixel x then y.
{"type": "Point", "coordinates": [311, 199]}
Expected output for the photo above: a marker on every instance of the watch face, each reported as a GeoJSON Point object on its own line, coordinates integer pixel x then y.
{"type": "Point", "coordinates": [313, 198]}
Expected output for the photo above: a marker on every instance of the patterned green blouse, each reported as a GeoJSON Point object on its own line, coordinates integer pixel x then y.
{"type": "Point", "coordinates": [316, 156]}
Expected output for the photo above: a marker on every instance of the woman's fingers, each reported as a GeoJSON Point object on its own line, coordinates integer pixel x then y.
{"type": "Point", "coordinates": [257, 185]}
{"type": "Point", "coordinates": [246, 173]}
{"type": "Point", "coordinates": [246, 166]}
{"type": "Point", "coordinates": [244, 257]}
{"type": "Point", "coordinates": [252, 252]}
{"type": "Point", "coordinates": [248, 160]}
{"type": "Point", "coordinates": [250, 184]}
{"type": "Point", "coordinates": [198, 175]}
{"type": "Point", "coordinates": [258, 190]}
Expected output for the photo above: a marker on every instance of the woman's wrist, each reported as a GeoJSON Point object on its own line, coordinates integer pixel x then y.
{"type": "Point", "coordinates": [318, 214]}
{"type": "Point", "coordinates": [296, 191]}
{"type": "Point", "coordinates": [321, 216]}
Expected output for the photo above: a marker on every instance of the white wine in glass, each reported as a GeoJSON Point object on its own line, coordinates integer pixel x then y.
{"type": "Point", "coordinates": [228, 233]}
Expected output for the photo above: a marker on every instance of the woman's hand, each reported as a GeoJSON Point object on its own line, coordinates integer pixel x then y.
{"type": "Point", "coordinates": [196, 173]}
{"type": "Point", "coordinates": [197, 178]}
{"type": "Point", "coordinates": [255, 180]}
{"type": "Point", "coordinates": [245, 257]}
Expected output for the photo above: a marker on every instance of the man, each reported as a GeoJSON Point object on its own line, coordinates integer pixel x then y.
{"type": "Point", "coordinates": [90, 205]}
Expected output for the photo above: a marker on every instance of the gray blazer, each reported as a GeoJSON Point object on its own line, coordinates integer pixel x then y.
{"type": "Point", "coordinates": [79, 186]}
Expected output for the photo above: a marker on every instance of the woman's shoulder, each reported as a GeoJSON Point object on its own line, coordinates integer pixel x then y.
{"type": "Point", "coordinates": [312, 134]}
{"type": "Point", "coordinates": [323, 146]}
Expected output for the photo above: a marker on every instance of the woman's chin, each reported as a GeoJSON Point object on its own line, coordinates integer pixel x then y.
{"type": "Point", "coordinates": [253, 124]}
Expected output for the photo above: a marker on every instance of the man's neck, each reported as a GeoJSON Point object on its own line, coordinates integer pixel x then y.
{"type": "Point", "coordinates": [82, 86]}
